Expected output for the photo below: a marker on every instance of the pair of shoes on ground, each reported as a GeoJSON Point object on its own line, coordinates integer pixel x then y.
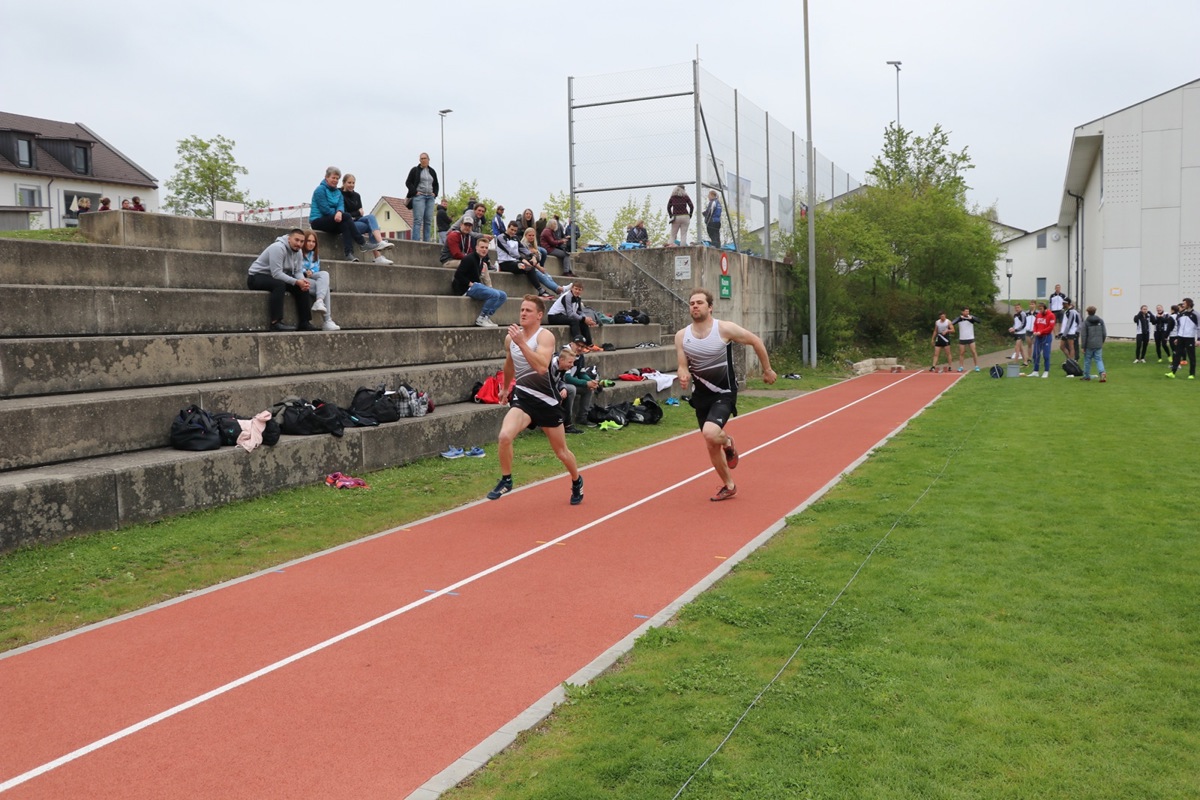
{"type": "Point", "coordinates": [458, 452]}
{"type": "Point", "coordinates": [340, 481]}
{"type": "Point", "coordinates": [609, 425]}
{"type": "Point", "coordinates": [484, 322]}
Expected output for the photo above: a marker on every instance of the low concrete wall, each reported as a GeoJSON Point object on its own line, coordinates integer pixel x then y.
{"type": "Point", "coordinates": [760, 290]}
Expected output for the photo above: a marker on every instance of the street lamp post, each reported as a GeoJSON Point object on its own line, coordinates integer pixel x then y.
{"type": "Point", "coordinates": [896, 64]}
{"type": "Point", "coordinates": [1008, 272]}
{"type": "Point", "coordinates": [442, 115]}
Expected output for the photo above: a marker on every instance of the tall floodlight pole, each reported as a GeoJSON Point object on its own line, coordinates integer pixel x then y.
{"type": "Point", "coordinates": [896, 64]}
{"type": "Point", "coordinates": [812, 210]}
{"type": "Point", "coordinates": [1008, 271]}
{"type": "Point", "coordinates": [442, 115]}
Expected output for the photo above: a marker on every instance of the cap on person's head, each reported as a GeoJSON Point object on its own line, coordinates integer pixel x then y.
{"type": "Point", "coordinates": [580, 340]}
{"type": "Point", "coordinates": [468, 219]}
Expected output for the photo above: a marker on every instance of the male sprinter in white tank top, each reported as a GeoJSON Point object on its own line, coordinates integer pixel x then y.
{"type": "Point", "coordinates": [704, 350]}
{"type": "Point", "coordinates": [529, 370]}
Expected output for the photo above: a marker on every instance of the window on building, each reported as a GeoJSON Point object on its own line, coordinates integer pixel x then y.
{"type": "Point", "coordinates": [1041, 287]}
{"type": "Point", "coordinates": [387, 214]}
{"type": "Point", "coordinates": [29, 196]}
{"type": "Point", "coordinates": [82, 165]}
{"type": "Point", "coordinates": [1041, 241]}
{"type": "Point", "coordinates": [24, 153]}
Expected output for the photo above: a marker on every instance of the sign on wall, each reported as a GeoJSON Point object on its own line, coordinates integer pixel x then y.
{"type": "Point", "coordinates": [683, 268]}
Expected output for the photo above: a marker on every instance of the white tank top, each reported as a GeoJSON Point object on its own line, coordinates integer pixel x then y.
{"type": "Point", "coordinates": [710, 359]}
{"type": "Point", "coordinates": [527, 380]}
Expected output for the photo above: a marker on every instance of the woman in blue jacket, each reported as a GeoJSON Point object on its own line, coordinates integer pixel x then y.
{"type": "Point", "coordinates": [328, 214]}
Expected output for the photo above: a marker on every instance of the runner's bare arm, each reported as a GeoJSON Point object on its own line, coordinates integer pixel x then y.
{"type": "Point", "coordinates": [509, 369]}
{"type": "Point", "coordinates": [736, 333]}
{"type": "Point", "coordinates": [685, 377]}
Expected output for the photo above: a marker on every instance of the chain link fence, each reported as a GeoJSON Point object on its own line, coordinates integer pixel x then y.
{"type": "Point", "coordinates": [637, 135]}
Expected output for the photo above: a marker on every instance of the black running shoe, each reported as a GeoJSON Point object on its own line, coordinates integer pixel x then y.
{"type": "Point", "coordinates": [502, 488]}
{"type": "Point", "coordinates": [577, 491]}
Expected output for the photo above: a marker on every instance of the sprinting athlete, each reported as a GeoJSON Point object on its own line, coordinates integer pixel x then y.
{"type": "Point", "coordinates": [529, 372]}
{"type": "Point", "coordinates": [705, 353]}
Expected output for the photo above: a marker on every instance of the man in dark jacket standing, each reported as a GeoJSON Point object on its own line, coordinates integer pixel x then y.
{"type": "Point", "coordinates": [422, 185]}
{"type": "Point", "coordinates": [1091, 338]}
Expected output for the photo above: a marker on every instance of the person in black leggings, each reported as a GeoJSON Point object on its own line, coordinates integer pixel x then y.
{"type": "Point", "coordinates": [1163, 323]}
{"type": "Point", "coordinates": [1143, 322]}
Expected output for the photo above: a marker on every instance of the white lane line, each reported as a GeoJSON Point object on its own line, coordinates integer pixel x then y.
{"type": "Point", "coordinates": [29, 775]}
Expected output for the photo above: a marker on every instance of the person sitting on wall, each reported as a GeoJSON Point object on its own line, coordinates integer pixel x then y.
{"type": "Point", "coordinates": [554, 246]}
{"type": "Point", "coordinates": [105, 204]}
{"type": "Point", "coordinates": [366, 224]}
{"type": "Point", "coordinates": [279, 270]}
{"type": "Point", "coordinates": [568, 310]}
{"type": "Point", "coordinates": [136, 205]}
{"type": "Point", "coordinates": [473, 279]}
{"type": "Point", "coordinates": [637, 234]}
{"type": "Point", "coordinates": [328, 214]}
{"type": "Point", "coordinates": [460, 242]}
{"type": "Point", "coordinates": [518, 260]}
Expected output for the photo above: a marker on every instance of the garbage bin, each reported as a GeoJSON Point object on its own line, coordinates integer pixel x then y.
{"type": "Point", "coordinates": [1012, 371]}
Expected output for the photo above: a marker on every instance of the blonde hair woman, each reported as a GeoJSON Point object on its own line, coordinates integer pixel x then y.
{"type": "Point", "coordinates": [680, 210]}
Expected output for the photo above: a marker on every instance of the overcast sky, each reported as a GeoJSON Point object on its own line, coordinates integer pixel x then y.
{"type": "Point", "coordinates": [300, 85]}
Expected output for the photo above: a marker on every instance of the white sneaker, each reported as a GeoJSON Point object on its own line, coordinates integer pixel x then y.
{"type": "Point", "coordinates": [330, 325]}
{"type": "Point", "coordinates": [484, 322]}
{"type": "Point", "coordinates": [382, 260]}
{"type": "Point", "coordinates": [319, 306]}
{"type": "Point", "coordinates": [384, 245]}
{"type": "Point", "coordinates": [1045, 374]}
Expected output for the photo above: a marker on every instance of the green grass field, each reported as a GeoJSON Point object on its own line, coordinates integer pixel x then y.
{"type": "Point", "coordinates": [1028, 625]}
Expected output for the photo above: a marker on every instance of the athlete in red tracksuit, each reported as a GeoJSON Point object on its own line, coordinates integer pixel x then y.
{"type": "Point", "coordinates": [1043, 335]}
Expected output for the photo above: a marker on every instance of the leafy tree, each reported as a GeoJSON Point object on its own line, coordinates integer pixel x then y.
{"type": "Point", "coordinates": [559, 204]}
{"type": "Point", "coordinates": [631, 212]}
{"type": "Point", "coordinates": [205, 173]}
{"type": "Point", "coordinates": [895, 254]}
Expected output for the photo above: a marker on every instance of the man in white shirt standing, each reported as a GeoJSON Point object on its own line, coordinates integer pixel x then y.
{"type": "Point", "coordinates": [966, 337]}
{"type": "Point", "coordinates": [1069, 331]}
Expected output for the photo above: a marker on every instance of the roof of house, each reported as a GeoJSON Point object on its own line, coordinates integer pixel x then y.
{"type": "Point", "coordinates": [397, 205]}
{"type": "Point", "coordinates": [109, 165]}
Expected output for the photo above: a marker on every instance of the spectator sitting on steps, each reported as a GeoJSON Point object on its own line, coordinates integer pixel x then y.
{"type": "Point", "coordinates": [279, 270]}
{"type": "Point", "coordinates": [554, 246]}
{"type": "Point", "coordinates": [473, 279]}
{"type": "Point", "coordinates": [568, 310]}
{"type": "Point", "coordinates": [318, 281]}
{"type": "Point", "coordinates": [518, 260]}
{"type": "Point", "coordinates": [460, 242]}
{"type": "Point", "coordinates": [366, 224]}
{"type": "Point", "coordinates": [328, 214]}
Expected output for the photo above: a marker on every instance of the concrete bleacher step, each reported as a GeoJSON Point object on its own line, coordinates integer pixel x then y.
{"type": "Point", "coordinates": [80, 265]}
{"type": "Point", "coordinates": [78, 426]}
{"type": "Point", "coordinates": [48, 503]}
{"type": "Point", "coordinates": [89, 364]}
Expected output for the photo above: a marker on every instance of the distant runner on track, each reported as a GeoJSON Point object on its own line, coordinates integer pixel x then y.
{"type": "Point", "coordinates": [705, 352]}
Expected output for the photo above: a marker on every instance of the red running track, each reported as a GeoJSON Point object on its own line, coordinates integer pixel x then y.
{"type": "Point", "coordinates": [365, 671]}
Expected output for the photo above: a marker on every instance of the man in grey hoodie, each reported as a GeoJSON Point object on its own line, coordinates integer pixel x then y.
{"type": "Point", "coordinates": [1091, 339]}
{"type": "Point", "coordinates": [280, 269]}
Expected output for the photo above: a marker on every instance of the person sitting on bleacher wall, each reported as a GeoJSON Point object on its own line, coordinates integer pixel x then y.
{"type": "Point", "coordinates": [318, 281]}
{"type": "Point", "coordinates": [459, 242]}
{"type": "Point", "coordinates": [279, 270]}
{"type": "Point", "coordinates": [577, 384]}
{"type": "Point", "coordinates": [517, 260]}
{"type": "Point", "coordinates": [366, 224]}
{"type": "Point", "coordinates": [554, 246]}
{"type": "Point", "coordinates": [637, 234]}
{"type": "Point", "coordinates": [473, 279]}
{"type": "Point", "coordinates": [328, 214]}
{"type": "Point", "coordinates": [568, 310]}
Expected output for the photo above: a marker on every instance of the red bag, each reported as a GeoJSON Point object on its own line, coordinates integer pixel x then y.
{"type": "Point", "coordinates": [489, 390]}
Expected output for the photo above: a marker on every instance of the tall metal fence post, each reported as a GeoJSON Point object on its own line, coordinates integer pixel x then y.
{"type": "Point", "coordinates": [571, 156]}
{"type": "Point", "coordinates": [737, 166]}
{"type": "Point", "coordinates": [812, 191]}
{"type": "Point", "coordinates": [767, 204]}
{"type": "Point", "coordinates": [696, 127]}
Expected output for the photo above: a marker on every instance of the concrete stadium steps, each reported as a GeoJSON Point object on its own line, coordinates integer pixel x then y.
{"type": "Point", "coordinates": [90, 364]}
{"type": "Point", "coordinates": [48, 503]}
{"type": "Point", "coordinates": [36, 263]}
{"type": "Point", "coordinates": [79, 426]}
{"type": "Point", "coordinates": [106, 311]}
{"type": "Point", "coordinates": [102, 344]}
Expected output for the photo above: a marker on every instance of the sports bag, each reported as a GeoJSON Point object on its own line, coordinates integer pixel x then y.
{"type": "Point", "coordinates": [194, 429]}
{"type": "Point", "coordinates": [489, 390]}
{"type": "Point", "coordinates": [1071, 367]}
{"type": "Point", "coordinates": [378, 404]}
{"type": "Point", "coordinates": [228, 426]}
{"type": "Point", "coordinates": [650, 407]}
{"type": "Point", "coordinates": [298, 417]}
